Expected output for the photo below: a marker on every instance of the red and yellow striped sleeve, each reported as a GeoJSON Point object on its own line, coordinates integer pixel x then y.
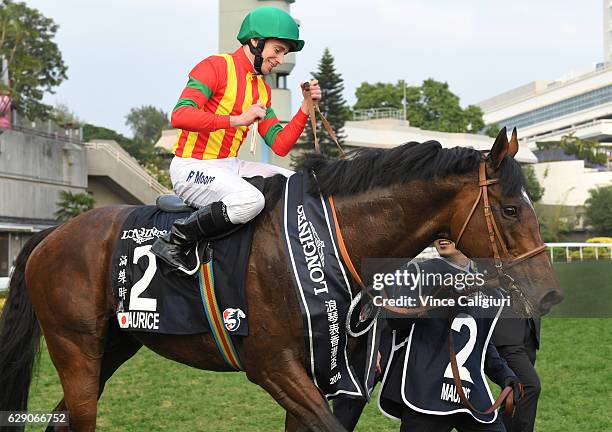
{"type": "Point", "coordinates": [281, 139]}
{"type": "Point", "coordinates": [204, 80]}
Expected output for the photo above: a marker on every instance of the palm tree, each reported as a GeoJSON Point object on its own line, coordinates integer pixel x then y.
{"type": "Point", "coordinates": [73, 204]}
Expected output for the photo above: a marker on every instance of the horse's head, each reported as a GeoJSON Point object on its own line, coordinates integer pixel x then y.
{"type": "Point", "coordinates": [500, 223]}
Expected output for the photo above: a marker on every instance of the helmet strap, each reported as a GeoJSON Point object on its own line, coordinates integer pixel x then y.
{"type": "Point", "coordinates": [257, 51]}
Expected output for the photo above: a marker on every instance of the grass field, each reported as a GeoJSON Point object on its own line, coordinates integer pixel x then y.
{"type": "Point", "coordinates": [150, 393]}
{"type": "Point", "coordinates": [153, 394]}
{"type": "Point", "coordinates": [588, 289]}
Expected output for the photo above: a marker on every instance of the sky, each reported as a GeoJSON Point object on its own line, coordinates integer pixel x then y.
{"type": "Point", "coordinates": [128, 53]}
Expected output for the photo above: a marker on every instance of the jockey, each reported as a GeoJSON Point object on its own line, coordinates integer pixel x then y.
{"type": "Point", "coordinates": [225, 94]}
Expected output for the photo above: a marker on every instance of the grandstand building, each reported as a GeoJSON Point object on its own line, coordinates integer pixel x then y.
{"type": "Point", "coordinates": [576, 104]}
{"type": "Point", "coordinates": [36, 166]}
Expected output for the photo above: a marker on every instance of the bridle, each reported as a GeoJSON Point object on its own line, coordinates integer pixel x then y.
{"type": "Point", "coordinates": [494, 233]}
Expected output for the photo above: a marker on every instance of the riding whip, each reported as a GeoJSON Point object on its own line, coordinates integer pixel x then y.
{"type": "Point", "coordinates": [255, 127]}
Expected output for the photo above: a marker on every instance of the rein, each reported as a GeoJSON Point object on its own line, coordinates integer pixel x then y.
{"type": "Point", "coordinates": [506, 395]}
{"type": "Point", "coordinates": [313, 107]}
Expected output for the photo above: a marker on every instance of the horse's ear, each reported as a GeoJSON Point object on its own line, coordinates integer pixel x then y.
{"type": "Point", "coordinates": [499, 149]}
{"type": "Point", "coordinates": [513, 145]}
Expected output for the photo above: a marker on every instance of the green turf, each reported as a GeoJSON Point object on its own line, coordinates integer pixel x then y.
{"type": "Point", "coordinates": [588, 289]}
{"type": "Point", "coordinates": [150, 393]}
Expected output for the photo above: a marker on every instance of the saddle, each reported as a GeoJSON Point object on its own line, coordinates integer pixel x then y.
{"type": "Point", "coordinates": [201, 252]}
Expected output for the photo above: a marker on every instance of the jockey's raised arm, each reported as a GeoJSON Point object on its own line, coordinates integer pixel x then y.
{"type": "Point", "coordinates": [225, 95]}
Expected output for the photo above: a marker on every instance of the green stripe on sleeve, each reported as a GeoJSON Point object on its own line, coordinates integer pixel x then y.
{"type": "Point", "coordinates": [269, 113]}
{"type": "Point", "coordinates": [203, 88]}
{"type": "Point", "coordinates": [271, 134]}
{"type": "Point", "coordinates": [185, 102]}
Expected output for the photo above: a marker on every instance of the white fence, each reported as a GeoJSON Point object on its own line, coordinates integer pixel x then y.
{"type": "Point", "coordinates": [378, 113]}
{"type": "Point", "coordinates": [584, 251]}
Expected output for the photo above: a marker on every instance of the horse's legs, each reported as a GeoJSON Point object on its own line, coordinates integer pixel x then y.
{"type": "Point", "coordinates": [293, 425]}
{"type": "Point", "coordinates": [120, 347]}
{"type": "Point", "coordinates": [293, 389]}
{"type": "Point", "coordinates": [77, 358]}
{"type": "Point", "coordinates": [61, 406]}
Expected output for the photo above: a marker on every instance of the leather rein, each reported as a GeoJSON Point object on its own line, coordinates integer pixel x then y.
{"type": "Point", "coordinates": [313, 106]}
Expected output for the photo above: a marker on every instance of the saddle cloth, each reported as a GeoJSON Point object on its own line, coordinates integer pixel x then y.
{"type": "Point", "coordinates": [152, 299]}
{"type": "Point", "coordinates": [322, 287]}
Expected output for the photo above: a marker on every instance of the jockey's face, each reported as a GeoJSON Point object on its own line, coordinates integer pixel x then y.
{"type": "Point", "coordinates": [273, 54]}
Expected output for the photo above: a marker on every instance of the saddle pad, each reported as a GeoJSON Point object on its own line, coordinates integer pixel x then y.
{"type": "Point", "coordinates": [151, 298]}
{"type": "Point", "coordinates": [322, 287]}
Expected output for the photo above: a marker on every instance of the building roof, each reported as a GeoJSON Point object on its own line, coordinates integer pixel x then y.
{"type": "Point", "coordinates": [545, 111]}
{"type": "Point", "coordinates": [167, 139]}
{"type": "Point", "coordinates": [389, 133]}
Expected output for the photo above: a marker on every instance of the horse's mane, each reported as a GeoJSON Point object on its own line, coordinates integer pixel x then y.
{"type": "Point", "coordinates": [364, 169]}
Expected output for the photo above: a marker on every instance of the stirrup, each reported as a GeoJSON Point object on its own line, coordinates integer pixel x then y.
{"type": "Point", "coordinates": [198, 262]}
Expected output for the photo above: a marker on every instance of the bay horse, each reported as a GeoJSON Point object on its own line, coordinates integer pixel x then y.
{"type": "Point", "coordinates": [389, 203]}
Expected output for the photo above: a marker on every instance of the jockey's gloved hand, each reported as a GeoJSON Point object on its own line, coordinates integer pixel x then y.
{"type": "Point", "coordinates": [517, 388]}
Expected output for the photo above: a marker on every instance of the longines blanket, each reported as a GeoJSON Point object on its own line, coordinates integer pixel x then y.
{"type": "Point", "coordinates": [322, 286]}
{"type": "Point", "coordinates": [152, 299]}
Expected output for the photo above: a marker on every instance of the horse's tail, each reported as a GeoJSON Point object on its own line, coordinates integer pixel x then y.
{"type": "Point", "coordinates": [19, 335]}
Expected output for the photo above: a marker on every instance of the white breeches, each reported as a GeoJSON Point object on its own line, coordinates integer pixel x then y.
{"type": "Point", "coordinates": [202, 182]}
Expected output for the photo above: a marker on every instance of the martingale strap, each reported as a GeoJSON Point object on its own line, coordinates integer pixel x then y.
{"type": "Point", "coordinates": [206, 279]}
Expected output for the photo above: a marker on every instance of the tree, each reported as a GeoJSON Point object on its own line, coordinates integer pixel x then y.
{"type": "Point", "coordinates": [73, 204]}
{"type": "Point", "coordinates": [35, 62]}
{"type": "Point", "coordinates": [65, 117]}
{"type": "Point", "coordinates": [554, 227]}
{"type": "Point", "coordinates": [492, 130]}
{"type": "Point", "coordinates": [92, 132]}
{"type": "Point", "coordinates": [379, 95]}
{"type": "Point", "coordinates": [534, 189]}
{"type": "Point", "coordinates": [431, 106]}
{"type": "Point", "coordinates": [333, 106]}
{"type": "Point", "coordinates": [599, 210]}
{"type": "Point", "coordinates": [474, 122]}
{"type": "Point", "coordinates": [147, 123]}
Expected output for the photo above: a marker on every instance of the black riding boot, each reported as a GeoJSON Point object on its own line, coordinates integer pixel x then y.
{"type": "Point", "coordinates": [207, 223]}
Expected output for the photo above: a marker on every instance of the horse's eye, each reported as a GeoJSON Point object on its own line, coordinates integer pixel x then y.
{"type": "Point", "coordinates": [510, 211]}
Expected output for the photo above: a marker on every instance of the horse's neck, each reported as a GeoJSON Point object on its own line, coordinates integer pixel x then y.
{"type": "Point", "coordinates": [394, 222]}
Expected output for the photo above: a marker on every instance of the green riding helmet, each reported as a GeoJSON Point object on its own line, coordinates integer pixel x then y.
{"type": "Point", "coordinates": [270, 22]}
